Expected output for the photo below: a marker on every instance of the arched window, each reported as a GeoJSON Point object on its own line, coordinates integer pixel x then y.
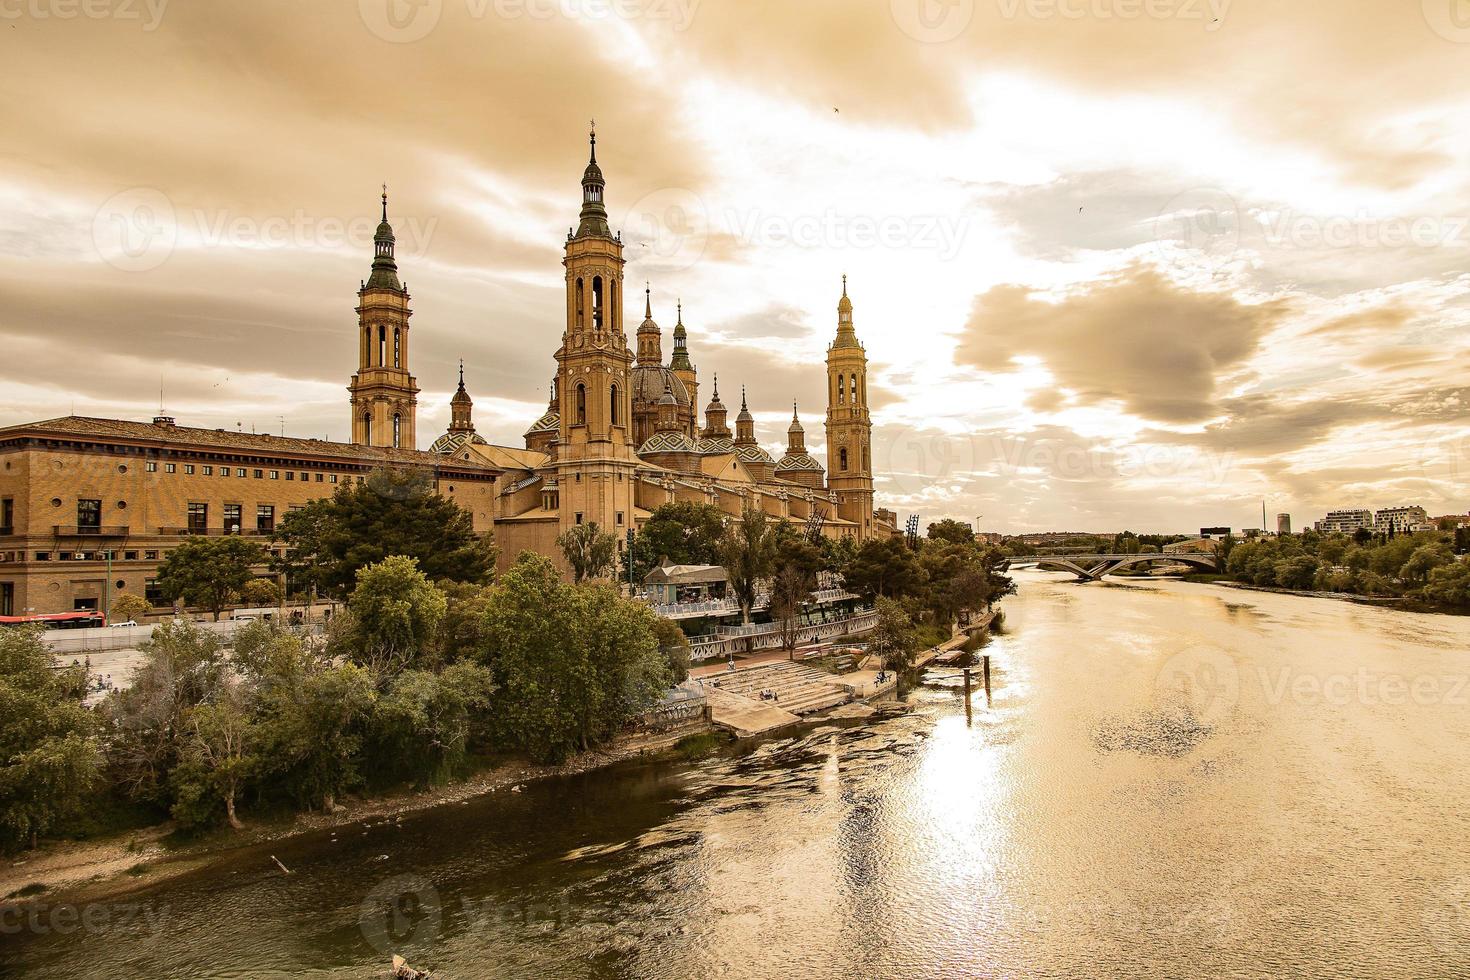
{"type": "Point", "coordinates": [855, 399]}
{"type": "Point", "coordinates": [612, 303]}
{"type": "Point", "coordinates": [842, 458]}
{"type": "Point", "coordinates": [866, 464]}
{"type": "Point", "coordinates": [596, 302]}
{"type": "Point", "coordinates": [581, 404]}
{"type": "Point", "coordinates": [579, 302]}
{"type": "Point", "coordinates": [367, 428]}
{"type": "Point", "coordinates": [382, 345]}
{"type": "Point", "coordinates": [367, 346]}
{"type": "Point", "coordinates": [397, 348]}
{"type": "Point", "coordinates": [397, 431]}
{"type": "Point", "coordinates": [614, 402]}
{"type": "Point", "coordinates": [841, 390]}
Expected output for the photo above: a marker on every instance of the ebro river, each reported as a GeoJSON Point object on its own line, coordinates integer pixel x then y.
{"type": "Point", "coordinates": [1171, 780]}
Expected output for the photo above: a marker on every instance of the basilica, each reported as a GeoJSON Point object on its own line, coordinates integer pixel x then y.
{"type": "Point", "coordinates": [621, 434]}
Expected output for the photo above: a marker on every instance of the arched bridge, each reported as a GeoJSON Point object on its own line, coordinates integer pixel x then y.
{"type": "Point", "coordinates": [1091, 568]}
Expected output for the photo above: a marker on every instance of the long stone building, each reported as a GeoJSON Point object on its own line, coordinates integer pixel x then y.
{"type": "Point", "coordinates": [90, 507]}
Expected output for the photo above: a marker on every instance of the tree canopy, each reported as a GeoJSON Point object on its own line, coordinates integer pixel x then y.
{"type": "Point", "coordinates": [210, 572]}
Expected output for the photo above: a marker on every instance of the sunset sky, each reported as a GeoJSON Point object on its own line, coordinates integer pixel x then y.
{"type": "Point", "coordinates": [1117, 263]}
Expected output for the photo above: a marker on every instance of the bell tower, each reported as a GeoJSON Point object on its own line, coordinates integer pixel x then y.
{"type": "Point", "coordinates": [595, 461]}
{"type": "Point", "coordinates": [849, 428]}
{"type": "Point", "coordinates": [384, 393]}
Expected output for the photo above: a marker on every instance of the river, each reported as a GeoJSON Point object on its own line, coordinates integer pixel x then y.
{"type": "Point", "coordinates": [1171, 780]}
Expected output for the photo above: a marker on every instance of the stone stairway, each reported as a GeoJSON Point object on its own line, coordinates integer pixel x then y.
{"type": "Point", "coordinates": [800, 689]}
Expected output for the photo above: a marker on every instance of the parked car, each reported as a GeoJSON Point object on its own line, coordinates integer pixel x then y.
{"type": "Point", "coordinates": [129, 622]}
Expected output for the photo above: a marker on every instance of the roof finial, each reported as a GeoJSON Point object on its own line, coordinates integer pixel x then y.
{"type": "Point", "coordinates": [717, 386]}
{"type": "Point", "coordinates": [593, 137]}
{"type": "Point", "coordinates": [385, 202]}
{"type": "Point", "coordinates": [793, 409]}
{"type": "Point", "coordinates": [844, 284]}
{"type": "Point", "coordinates": [742, 399]}
{"type": "Point", "coordinates": [647, 302]}
{"type": "Point", "coordinates": [680, 304]}
{"type": "Point", "coordinates": [461, 372]}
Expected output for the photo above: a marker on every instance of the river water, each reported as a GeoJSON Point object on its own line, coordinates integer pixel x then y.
{"type": "Point", "coordinates": [1171, 780]}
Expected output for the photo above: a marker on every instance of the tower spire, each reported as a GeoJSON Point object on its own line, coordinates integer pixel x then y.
{"type": "Point", "coordinates": [385, 202]}
{"type": "Point", "coordinates": [647, 301]}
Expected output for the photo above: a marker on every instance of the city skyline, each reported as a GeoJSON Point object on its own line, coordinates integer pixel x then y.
{"type": "Point", "coordinates": [1074, 318]}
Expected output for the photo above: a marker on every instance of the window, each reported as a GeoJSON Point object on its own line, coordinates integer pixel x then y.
{"type": "Point", "coordinates": [170, 468]}
{"type": "Point", "coordinates": [290, 474]}
{"type": "Point", "coordinates": [209, 471]}
{"type": "Point", "coordinates": [43, 556]}
{"type": "Point", "coordinates": [319, 477]}
{"type": "Point", "coordinates": [367, 429]}
{"type": "Point", "coordinates": [275, 474]}
{"type": "Point", "coordinates": [579, 517]}
{"type": "Point", "coordinates": [596, 302]}
{"type": "Point", "coordinates": [306, 477]}
{"type": "Point", "coordinates": [7, 515]}
{"type": "Point", "coordinates": [841, 390]}
{"type": "Point", "coordinates": [334, 478]}
{"type": "Point", "coordinates": [581, 404]}
{"type": "Point", "coordinates": [396, 348]}
{"type": "Point", "coordinates": [395, 430]}
{"type": "Point", "coordinates": [153, 593]}
{"type": "Point", "coordinates": [150, 467]}
{"type": "Point", "coordinates": [854, 390]}
{"type": "Point", "coordinates": [233, 519]}
{"type": "Point", "coordinates": [240, 472]}
{"type": "Point", "coordinates": [198, 518]}
{"type": "Point", "coordinates": [382, 346]}
{"type": "Point", "coordinates": [620, 518]}
{"type": "Point", "coordinates": [150, 556]}
{"type": "Point", "coordinates": [265, 518]}
{"type": "Point", "coordinates": [579, 302]}
{"type": "Point", "coordinates": [89, 516]}
{"type": "Point", "coordinates": [614, 401]}
{"type": "Point", "coordinates": [7, 599]}
{"type": "Point", "coordinates": [130, 556]}
{"type": "Point", "coordinates": [258, 474]}
{"type": "Point", "coordinates": [842, 457]}
{"type": "Point", "coordinates": [188, 469]}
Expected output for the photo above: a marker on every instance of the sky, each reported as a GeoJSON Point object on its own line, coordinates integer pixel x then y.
{"type": "Point", "coordinates": [1116, 263]}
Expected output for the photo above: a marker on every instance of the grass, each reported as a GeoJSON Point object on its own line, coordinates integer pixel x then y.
{"type": "Point", "coordinates": [698, 745]}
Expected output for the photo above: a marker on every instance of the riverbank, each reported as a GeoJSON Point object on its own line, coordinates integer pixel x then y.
{"type": "Point", "coordinates": [1399, 603]}
{"type": "Point", "coordinates": [88, 871]}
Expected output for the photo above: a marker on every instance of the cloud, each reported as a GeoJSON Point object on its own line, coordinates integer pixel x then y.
{"type": "Point", "coordinates": [1135, 338]}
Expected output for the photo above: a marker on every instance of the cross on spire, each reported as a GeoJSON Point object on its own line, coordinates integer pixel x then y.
{"type": "Point", "coordinates": [385, 202]}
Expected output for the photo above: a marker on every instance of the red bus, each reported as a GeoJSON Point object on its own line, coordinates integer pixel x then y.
{"type": "Point", "coordinates": [84, 619]}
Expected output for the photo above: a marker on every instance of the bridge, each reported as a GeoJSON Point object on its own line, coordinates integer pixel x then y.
{"type": "Point", "coordinates": [1091, 568]}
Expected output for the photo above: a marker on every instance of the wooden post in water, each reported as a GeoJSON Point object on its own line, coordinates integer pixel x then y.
{"type": "Point", "coordinates": [986, 661]}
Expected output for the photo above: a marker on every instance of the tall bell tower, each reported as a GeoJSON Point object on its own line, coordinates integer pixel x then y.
{"type": "Point", "coordinates": [595, 459]}
{"type": "Point", "coordinates": [384, 393]}
{"type": "Point", "coordinates": [849, 427]}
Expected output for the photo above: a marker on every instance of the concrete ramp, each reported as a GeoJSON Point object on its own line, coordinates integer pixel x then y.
{"type": "Point", "coordinates": [745, 716]}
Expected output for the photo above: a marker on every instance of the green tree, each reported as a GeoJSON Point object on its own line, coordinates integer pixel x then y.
{"type": "Point", "coordinates": [219, 757]}
{"type": "Point", "coordinates": [589, 551]}
{"type": "Point", "coordinates": [396, 612]}
{"type": "Point", "coordinates": [674, 645]}
{"type": "Point", "coordinates": [951, 531]}
{"type": "Point", "coordinates": [48, 758]}
{"type": "Point", "coordinates": [893, 637]}
{"type": "Point", "coordinates": [1449, 584]}
{"type": "Point", "coordinates": [261, 592]}
{"type": "Point", "coordinates": [748, 552]}
{"type": "Point", "coordinates": [797, 563]}
{"type": "Point", "coordinates": [312, 728]}
{"type": "Point", "coordinates": [1424, 560]}
{"type": "Point", "coordinates": [685, 533]}
{"type": "Point", "coordinates": [884, 567]}
{"type": "Point", "coordinates": [128, 607]}
{"type": "Point", "coordinates": [1299, 572]}
{"type": "Point", "coordinates": [423, 722]}
{"type": "Point", "coordinates": [462, 631]}
{"type": "Point", "coordinates": [209, 572]}
{"type": "Point", "coordinates": [393, 512]}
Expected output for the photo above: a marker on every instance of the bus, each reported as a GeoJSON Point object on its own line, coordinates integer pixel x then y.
{"type": "Point", "coordinates": [81, 620]}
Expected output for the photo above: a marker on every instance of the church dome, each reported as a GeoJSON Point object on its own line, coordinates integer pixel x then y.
{"type": "Point", "coordinates": [668, 441]}
{"type": "Point", "coordinates": [798, 463]}
{"type": "Point", "coordinates": [648, 382]}
{"type": "Point", "coordinates": [452, 442]}
{"type": "Point", "coordinates": [550, 422]}
{"type": "Point", "coordinates": [716, 446]}
{"type": "Point", "coordinates": [752, 453]}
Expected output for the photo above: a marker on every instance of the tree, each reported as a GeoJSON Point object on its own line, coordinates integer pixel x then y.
{"type": "Point", "coordinates": [220, 756]}
{"type": "Point", "coordinates": [884, 567]}
{"type": "Point", "coordinates": [209, 572]}
{"type": "Point", "coordinates": [423, 721]}
{"type": "Point", "coordinates": [1424, 560]}
{"type": "Point", "coordinates": [1449, 584]}
{"type": "Point", "coordinates": [791, 588]}
{"type": "Point", "coordinates": [674, 645]}
{"type": "Point", "coordinates": [393, 512]}
{"type": "Point", "coordinates": [396, 612]}
{"type": "Point", "coordinates": [748, 551]}
{"type": "Point", "coordinates": [48, 758]}
{"type": "Point", "coordinates": [262, 592]}
{"type": "Point", "coordinates": [685, 533]}
{"type": "Point", "coordinates": [893, 638]}
{"type": "Point", "coordinates": [312, 727]}
{"type": "Point", "coordinates": [145, 722]}
{"type": "Point", "coordinates": [127, 607]}
{"type": "Point", "coordinates": [951, 531]}
{"type": "Point", "coordinates": [588, 550]}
